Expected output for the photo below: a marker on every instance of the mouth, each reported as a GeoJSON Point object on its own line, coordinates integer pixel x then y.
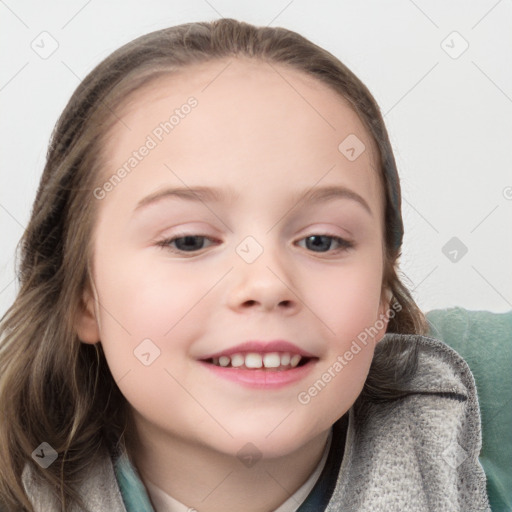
{"type": "Point", "coordinates": [262, 365]}
{"type": "Point", "coordinates": [268, 361]}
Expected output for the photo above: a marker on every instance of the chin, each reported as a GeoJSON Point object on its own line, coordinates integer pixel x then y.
{"type": "Point", "coordinates": [267, 443]}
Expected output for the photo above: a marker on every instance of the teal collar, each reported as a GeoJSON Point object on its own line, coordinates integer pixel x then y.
{"type": "Point", "coordinates": [135, 496]}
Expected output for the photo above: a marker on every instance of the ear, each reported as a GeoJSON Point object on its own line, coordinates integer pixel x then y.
{"type": "Point", "coordinates": [385, 301]}
{"type": "Point", "coordinates": [86, 321]}
{"type": "Point", "coordinates": [384, 307]}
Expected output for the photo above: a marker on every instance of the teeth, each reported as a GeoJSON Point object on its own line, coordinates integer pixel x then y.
{"type": "Point", "coordinates": [224, 360]}
{"type": "Point", "coordinates": [271, 360]}
{"type": "Point", "coordinates": [295, 360]}
{"type": "Point", "coordinates": [237, 360]}
{"type": "Point", "coordinates": [255, 360]}
{"type": "Point", "coordinates": [285, 359]}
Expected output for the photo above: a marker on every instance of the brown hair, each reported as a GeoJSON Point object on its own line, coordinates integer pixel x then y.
{"type": "Point", "coordinates": [53, 388]}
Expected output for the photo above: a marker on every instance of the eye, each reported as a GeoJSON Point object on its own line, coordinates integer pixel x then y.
{"type": "Point", "coordinates": [185, 243]}
{"type": "Point", "coordinates": [189, 243]}
{"type": "Point", "coordinates": [323, 242]}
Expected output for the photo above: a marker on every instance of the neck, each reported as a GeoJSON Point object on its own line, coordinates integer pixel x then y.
{"type": "Point", "coordinates": [209, 481]}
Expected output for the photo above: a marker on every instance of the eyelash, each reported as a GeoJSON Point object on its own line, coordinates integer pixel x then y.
{"type": "Point", "coordinates": [166, 243]}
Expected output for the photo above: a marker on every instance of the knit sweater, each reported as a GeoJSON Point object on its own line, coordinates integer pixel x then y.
{"type": "Point", "coordinates": [415, 453]}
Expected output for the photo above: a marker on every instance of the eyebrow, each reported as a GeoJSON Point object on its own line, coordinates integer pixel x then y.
{"type": "Point", "coordinates": [202, 194]}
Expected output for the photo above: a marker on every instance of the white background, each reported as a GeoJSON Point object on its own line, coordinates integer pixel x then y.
{"type": "Point", "coordinates": [450, 119]}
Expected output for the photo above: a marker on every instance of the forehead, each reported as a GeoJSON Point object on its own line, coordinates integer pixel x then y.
{"type": "Point", "coordinates": [262, 120]}
{"type": "Point", "coordinates": [247, 86]}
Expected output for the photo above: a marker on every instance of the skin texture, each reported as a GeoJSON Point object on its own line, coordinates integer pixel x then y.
{"type": "Point", "coordinates": [269, 133]}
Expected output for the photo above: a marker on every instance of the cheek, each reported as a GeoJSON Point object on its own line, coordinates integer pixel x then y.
{"type": "Point", "coordinates": [149, 318]}
{"type": "Point", "coordinates": [146, 298]}
{"type": "Point", "coordinates": [347, 300]}
{"type": "Point", "coordinates": [348, 304]}
{"type": "Point", "coordinates": [141, 302]}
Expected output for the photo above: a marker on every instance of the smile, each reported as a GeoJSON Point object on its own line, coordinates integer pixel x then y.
{"type": "Point", "coordinates": [270, 361]}
{"type": "Point", "coordinates": [261, 364]}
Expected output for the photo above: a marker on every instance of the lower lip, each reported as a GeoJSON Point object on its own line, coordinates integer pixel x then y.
{"type": "Point", "coordinates": [260, 378]}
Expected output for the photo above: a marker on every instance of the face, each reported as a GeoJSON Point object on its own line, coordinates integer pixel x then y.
{"type": "Point", "coordinates": [238, 258]}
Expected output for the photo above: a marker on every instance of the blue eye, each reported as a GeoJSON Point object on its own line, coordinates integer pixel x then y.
{"type": "Point", "coordinates": [319, 243]}
{"type": "Point", "coordinates": [185, 243]}
{"type": "Point", "coordinates": [323, 242]}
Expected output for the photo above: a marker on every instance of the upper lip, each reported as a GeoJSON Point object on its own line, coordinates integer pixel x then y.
{"type": "Point", "coordinates": [261, 347]}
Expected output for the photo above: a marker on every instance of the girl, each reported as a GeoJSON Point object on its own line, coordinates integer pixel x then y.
{"type": "Point", "coordinates": [210, 316]}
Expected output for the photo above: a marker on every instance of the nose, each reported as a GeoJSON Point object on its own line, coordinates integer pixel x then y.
{"type": "Point", "coordinates": [264, 285]}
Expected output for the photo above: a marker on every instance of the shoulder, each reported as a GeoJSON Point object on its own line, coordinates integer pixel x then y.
{"type": "Point", "coordinates": [439, 409]}
{"type": "Point", "coordinates": [98, 488]}
{"type": "Point", "coordinates": [438, 368]}
{"type": "Point", "coordinates": [418, 451]}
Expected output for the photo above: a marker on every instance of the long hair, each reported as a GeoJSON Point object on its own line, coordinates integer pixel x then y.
{"type": "Point", "coordinates": [56, 389]}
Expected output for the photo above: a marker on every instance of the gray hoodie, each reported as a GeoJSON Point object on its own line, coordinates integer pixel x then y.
{"type": "Point", "coordinates": [416, 453]}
